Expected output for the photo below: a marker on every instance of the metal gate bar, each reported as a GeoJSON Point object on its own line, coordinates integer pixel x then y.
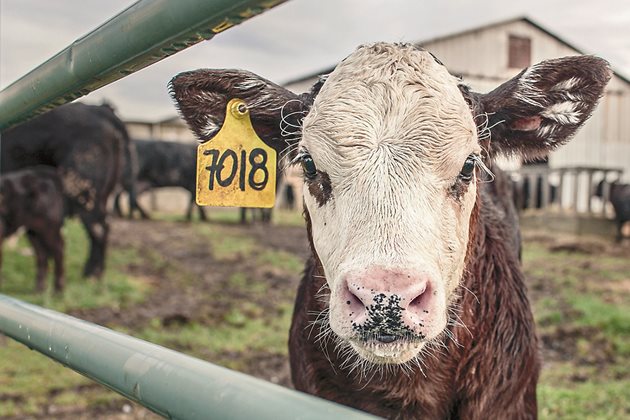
{"type": "Point", "coordinates": [169, 383]}
{"type": "Point", "coordinates": [142, 34]}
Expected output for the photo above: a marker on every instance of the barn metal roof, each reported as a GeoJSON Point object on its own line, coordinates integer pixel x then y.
{"type": "Point", "coordinates": [470, 31]}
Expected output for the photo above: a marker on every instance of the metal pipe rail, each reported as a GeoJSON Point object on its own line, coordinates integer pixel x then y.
{"type": "Point", "coordinates": [171, 384]}
{"type": "Point", "coordinates": [142, 34]}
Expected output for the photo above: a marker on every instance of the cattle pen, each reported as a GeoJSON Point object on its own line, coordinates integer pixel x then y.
{"type": "Point", "coordinates": [166, 382]}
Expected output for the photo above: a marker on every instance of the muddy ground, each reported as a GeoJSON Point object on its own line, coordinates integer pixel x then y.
{"type": "Point", "coordinates": [191, 284]}
{"type": "Point", "coordinates": [166, 245]}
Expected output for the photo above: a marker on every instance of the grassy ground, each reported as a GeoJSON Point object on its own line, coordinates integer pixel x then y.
{"type": "Point", "coordinates": [118, 289]}
{"type": "Point", "coordinates": [241, 333]}
{"type": "Point", "coordinates": [581, 298]}
{"type": "Point", "coordinates": [29, 381]}
{"type": "Point", "coordinates": [224, 293]}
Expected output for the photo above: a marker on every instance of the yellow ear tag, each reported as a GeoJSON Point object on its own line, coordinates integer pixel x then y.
{"type": "Point", "coordinates": [236, 168]}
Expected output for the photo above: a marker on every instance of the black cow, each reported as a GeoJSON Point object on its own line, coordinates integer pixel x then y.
{"type": "Point", "coordinates": [164, 164]}
{"type": "Point", "coordinates": [620, 199]}
{"type": "Point", "coordinates": [33, 198]}
{"type": "Point", "coordinates": [88, 144]}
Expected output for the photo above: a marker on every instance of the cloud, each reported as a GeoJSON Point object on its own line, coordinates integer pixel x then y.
{"type": "Point", "coordinates": [296, 38]}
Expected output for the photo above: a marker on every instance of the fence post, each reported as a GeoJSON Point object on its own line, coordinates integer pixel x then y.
{"type": "Point", "coordinates": [589, 192]}
{"type": "Point", "coordinates": [561, 173]}
{"type": "Point", "coordinates": [576, 176]}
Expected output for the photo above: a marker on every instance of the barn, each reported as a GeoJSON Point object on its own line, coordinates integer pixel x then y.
{"type": "Point", "coordinates": [484, 57]}
{"type": "Point", "coordinates": [171, 129]}
{"type": "Point", "coordinates": [488, 55]}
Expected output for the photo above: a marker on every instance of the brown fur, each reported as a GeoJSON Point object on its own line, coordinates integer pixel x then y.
{"type": "Point", "coordinates": [493, 371]}
{"type": "Point", "coordinates": [320, 188]}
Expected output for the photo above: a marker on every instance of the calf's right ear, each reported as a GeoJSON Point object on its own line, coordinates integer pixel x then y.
{"type": "Point", "coordinates": [202, 97]}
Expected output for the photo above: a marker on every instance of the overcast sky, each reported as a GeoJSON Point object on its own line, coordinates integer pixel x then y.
{"type": "Point", "coordinates": [296, 38]}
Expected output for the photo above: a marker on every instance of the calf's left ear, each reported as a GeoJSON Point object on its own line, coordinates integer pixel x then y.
{"type": "Point", "coordinates": [202, 96]}
{"type": "Point", "coordinates": [544, 105]}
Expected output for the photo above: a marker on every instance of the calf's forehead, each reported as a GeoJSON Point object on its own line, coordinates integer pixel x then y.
{"type": "Point", "coordinates": [390, 96]}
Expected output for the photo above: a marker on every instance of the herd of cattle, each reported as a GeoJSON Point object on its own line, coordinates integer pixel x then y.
{"type": "Point", "coordinates": [70, 160]}
{"type": "Point", "coordinates": [67, 162]}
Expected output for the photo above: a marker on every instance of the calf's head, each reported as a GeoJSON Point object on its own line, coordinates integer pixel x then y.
{"type": "Point", "coordinates": [392, 148]}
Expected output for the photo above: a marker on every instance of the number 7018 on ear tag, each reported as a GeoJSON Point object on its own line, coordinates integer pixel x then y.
{"type": "Point", "coordinates": [236, 168]}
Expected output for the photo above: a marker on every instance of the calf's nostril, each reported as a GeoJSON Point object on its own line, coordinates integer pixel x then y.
{"type": "Point", "coordinates": [352, 298]}
{"type": "Point", "coordinates": [420, 298]}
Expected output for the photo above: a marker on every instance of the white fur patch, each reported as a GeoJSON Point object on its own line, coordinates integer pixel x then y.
{"type": "Point", "coordinates": [568, 84]}
{"type": "Point", "coordinates": [392, 130]}
{"type": "Point", "coordinates": [575, 97]}
{"type": "Point", "coordinates": [210, 128]}
{"type": "Point", "coordinates": [528, 92]}
{"type": "Point", "coordinates": [250, 83]}
{"type": "Point", "coordinates": [546, 131]}
{"type": "Point", "coordinates": [563, 113]}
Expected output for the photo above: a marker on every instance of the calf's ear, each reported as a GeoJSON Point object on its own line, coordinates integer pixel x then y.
{"type": "Point", "coordinates": [202, 96]}
{"type": "Point", "coordinates": [543, 106]}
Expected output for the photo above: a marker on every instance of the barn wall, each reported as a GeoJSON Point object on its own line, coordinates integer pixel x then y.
{"type": "Point", "coordinates": [141, 130]}
{"type": "Point", "coordinates": [482, 57]}
{"type": "Point", "coordinates": [484, 52]}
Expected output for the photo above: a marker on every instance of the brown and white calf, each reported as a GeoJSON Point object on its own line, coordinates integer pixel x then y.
{"type": "Point", "coordinates": [413, 304]}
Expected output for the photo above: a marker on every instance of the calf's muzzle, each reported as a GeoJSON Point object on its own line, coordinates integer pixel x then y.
{"type": "Point", "coordinates": [387, 304]}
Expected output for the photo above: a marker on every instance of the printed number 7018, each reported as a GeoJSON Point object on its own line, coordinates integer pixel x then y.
{"type": "Point", "coordinates": [238, 165]}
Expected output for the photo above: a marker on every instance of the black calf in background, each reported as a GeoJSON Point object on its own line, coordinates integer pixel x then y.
{"type": "Point", "coordinates": [620, 199]}
{"type": "Point", "coordinates": [33, 198]}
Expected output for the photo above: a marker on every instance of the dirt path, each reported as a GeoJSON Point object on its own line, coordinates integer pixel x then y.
{"type": "Point", "coordinates": [180, 264]}
{"type": "Point", "coordinates": [190, 276]}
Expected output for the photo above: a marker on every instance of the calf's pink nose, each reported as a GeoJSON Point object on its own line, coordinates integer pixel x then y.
{"type": "Point", "coordinates": [403, 297]}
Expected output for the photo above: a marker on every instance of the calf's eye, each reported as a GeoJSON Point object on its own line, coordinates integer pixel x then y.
{"type": "Point", "coordinates": [468, 169]}
{"type": "Point", "coordinates": [310, 171]}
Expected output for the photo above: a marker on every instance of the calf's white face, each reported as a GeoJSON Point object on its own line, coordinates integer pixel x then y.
{"type": "Point", "coordinates": [389, 134]}
{"type": "Point", "coordinates": [389, 145]}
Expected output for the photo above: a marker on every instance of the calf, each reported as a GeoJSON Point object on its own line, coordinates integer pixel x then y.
{"type": "Point", "coordinates": [413, 303]}
{"type": "Point", "coordinates": [88, 145]}
{"type": "Point", "coordinates": [164, 164]}
{"type": "Point", "coordinates": [33, 198]}
{"type": "Point", "coordinates": [619, 197]}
